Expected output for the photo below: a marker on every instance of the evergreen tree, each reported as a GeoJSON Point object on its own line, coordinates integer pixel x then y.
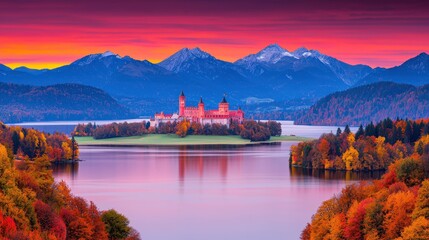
{"type": "Point", "coordinates": [370, 130]}
{"type": "Point", "coordinates": [426, 129]}
{"type": "Point", "coordinates": [347, 130]}
{"type": "Point", "coordinates": [15, 140]}
{"type": "Point", "coordinates": [408, 133]}
{"type": "Point", "coordinates": [338, 132]}
{"type": "Point", "coordinates": [360, 132]}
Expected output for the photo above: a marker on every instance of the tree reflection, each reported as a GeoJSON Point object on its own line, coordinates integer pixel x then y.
{"type": "Point", "coordinates": [297, 173]}
{"type": "Point", "coordinates": [69, 169]}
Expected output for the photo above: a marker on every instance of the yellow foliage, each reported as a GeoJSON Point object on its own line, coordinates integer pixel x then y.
{"type": "Point", "coordinates": [67, 151]}
{"type": "Point", "coordinates": [398, 209]}
{"type": "Point", "coordinates": [350, 157]}
{"type": "Point", "coordinates": [3, 154]}
{"type": "Point", "coordinates": [422, 204]}
{"type": "Point", "coordinates": [336, 227]}
{"type": "Point", "coordinates": [423, 141]}
{"type": "Point", "coordinates": [351, 139]}
{"type": "Point", "coordinates": [418, 230]}
{"type": "Point", "coordinates": [182, 128]}
{"type": "Point", "coordinates": [381, 150]}
{"type": "Point", "coordinates": [325, 213]}
{"type": "Point", "coordinates": [380, 141]}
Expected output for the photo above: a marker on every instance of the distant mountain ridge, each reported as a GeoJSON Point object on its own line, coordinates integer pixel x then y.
{"type": "Point", "coordinates": [413, 71]}
{"type": "Point", "coordinates": [273, 54]}
{"type": "Point", "coordinates": [21, 103]}
{"type": "Point", "coordinates": [272, 73]}
{"type": "Point", "coordinates": [373, 102]}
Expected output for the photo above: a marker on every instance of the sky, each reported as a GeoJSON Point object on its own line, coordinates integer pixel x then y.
{"type": "Point", "coordinates": [48, 34]}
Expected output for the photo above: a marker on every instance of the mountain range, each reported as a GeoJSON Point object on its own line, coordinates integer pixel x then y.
{"type": "Point", "coordinates": [273, 75]}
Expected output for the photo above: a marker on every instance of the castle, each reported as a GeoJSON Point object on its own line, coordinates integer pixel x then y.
{"type": "Point", "coordinates": [198, 114]}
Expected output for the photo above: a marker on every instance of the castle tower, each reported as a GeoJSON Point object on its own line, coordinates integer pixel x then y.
{"type": "Point", "coordinates": [241, 114]}
{"type": "Point", "coordinates": [182, 104]}
{"type": "Point", "coordinates": [224, 106]}
{"type": "Point", "coordinates": [201, 108]}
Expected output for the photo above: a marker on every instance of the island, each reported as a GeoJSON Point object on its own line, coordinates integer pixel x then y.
{"type": "Point", "coordinates": [190, 126]}
{"type": "Point", "coordinates": [174, 140]}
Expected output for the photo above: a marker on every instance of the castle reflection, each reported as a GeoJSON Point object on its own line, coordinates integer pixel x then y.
{"type": "Point", "coordinates": [206, 161]}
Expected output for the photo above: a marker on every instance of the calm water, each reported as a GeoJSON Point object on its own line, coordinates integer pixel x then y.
{"type": "Point", "coordinates": [204, 192]}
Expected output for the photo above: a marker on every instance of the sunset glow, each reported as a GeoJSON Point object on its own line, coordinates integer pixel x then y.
{"type": "Point", "coordinates": [47, 34]}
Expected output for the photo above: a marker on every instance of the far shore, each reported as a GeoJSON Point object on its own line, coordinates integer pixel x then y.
{"type": "Point", "coordinates": [174, 140]}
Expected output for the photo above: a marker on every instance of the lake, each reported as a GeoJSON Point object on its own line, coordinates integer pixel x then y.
{"type": "Point", "coordinates": [204, 192]}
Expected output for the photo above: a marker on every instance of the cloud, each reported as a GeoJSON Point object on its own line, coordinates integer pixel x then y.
{"type": "Point", "coordinates": [379, 33]}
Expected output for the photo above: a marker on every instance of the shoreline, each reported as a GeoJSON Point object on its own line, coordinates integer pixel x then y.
{"type": "Point", "coordinates": [170, 140]}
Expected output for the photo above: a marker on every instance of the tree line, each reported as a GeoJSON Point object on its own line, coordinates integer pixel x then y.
{"type": "Point", "coordinates": [373, 147]}
{"type": "Point", "coordinates": [34, 206]}
{"type": "Point", "coordinates": [24, 143]}
{"type": "Point", "coordinates": [113, 130]}
{"type": "Point", "coordinates": [252, 130]}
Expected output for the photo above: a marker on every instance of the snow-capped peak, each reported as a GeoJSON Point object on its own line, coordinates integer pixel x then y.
{"type": "Point", "coordinates": [192, 53]}
{"type": "Point", "coordinates": [108, 53]}
{"type": "Point", "coordinates": [92, 57]}
{"type": "Point", "coordinates": [270, 54]}
{"type": "Point", "coordinates": [304, 52]}
{"type": "Point", "coordinates": [174, 62]}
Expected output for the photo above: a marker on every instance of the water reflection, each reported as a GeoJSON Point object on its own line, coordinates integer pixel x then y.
{"type": "Point", "coordinates": [203, 192]}
{"type": "Point", "coordinates": [297, 174]}
{"type": "Point", "coordinates": [213, 162]}
{"type": "Point", "coordinates": [197, 161]}
{"type": "Point", "coordinates": [66, 169]}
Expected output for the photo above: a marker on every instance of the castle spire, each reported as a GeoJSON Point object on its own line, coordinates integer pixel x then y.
{"type": "Point", "coordinates": [201, 100]}
{"type": "Point", "coordinates": [182, 94]}
{"type": "Point", "coordinates": [224, 99]}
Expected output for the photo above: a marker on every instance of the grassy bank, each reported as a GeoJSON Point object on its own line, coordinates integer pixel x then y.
{"type": "Point", "coordinates": [172, 139]}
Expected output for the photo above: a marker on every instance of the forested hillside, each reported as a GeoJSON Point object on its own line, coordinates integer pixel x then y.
{"type": "Point", "coordinates": [34, 206]}
{"type": "Point", "coordinates": [395, 207]}
{"type": "Point", "coordinates": [20, 103]}
{"type": "Point", "coordinates": [373, 102]}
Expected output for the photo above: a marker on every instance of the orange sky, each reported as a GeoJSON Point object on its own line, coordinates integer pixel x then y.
{"type": "Point", "coordinates": [48, 34]}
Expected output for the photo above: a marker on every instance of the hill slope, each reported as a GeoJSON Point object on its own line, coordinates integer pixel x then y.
{"type": "Point", "coordinates": [20, 103]}
{"type": "Point", "coordinates": [367, 103]}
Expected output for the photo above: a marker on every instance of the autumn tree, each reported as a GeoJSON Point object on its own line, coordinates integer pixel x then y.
{"type": "Point", "coordinates": [422, 203]}
{"type": "Point", "coordinates": [116, 224]}
{"type": "Point", "coordinates": [418, 230]}
{"type": "Point", "coordinates": [182, 128]}
{"type": "Point", "coordinates": [410, 171]}
{"type": "Point", "coordinates": [398, 209]}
